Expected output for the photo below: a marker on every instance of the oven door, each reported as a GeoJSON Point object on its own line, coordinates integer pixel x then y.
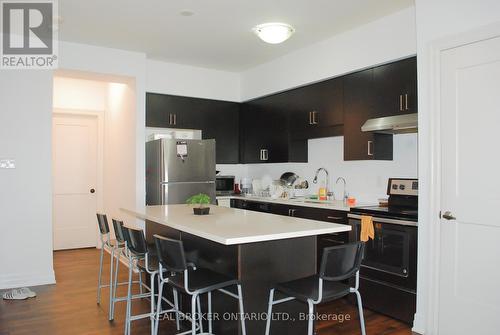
{"type": "Point", "coordinates": [391, 256]}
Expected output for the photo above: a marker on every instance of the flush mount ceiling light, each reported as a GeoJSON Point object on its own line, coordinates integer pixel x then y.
{"type": "Point", "coordinates": [274, 33]}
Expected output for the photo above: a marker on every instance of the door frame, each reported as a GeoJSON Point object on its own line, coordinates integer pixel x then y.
{"type": "Point", "coordinates": [432, 233]}
{"type": "Point", "coordinates": [99, 117]}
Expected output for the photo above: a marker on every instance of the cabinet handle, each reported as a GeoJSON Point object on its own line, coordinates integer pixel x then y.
{"type": "Point", "coordinates": [264, 155]}
{"type": "Point", "coordinates": [400, 102]}
{"type": "Point", "coordinates": [406, 101]}
{"type": "Point", "coordinates": [175, 119]}
{"type": "Point", "coordinates": [370, 144]}
{"type": "Point", "coordinates": [335, 218]}
{"type": "Point", "coordinates": [169, 119]}
{"type": "Point", "coordinates": [291, 212]}
{"type": "Point", "coordinates": [310, 118]}
{"type": "Point", "coordinates": [314, 118]}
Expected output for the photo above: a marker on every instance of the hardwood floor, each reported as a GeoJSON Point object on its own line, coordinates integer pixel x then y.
{"type": "Point", "coordinates": [70, 306]}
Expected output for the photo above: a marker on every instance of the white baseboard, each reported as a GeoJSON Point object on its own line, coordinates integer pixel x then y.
{"type": "Point", "coordinates": [26, 279]}
{"type": "Point", "coordinates": [418, 324]}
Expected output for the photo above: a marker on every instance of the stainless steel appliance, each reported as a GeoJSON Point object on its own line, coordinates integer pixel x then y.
{"type": "Point", "coordinates": [224, 185]}
{"type": "Point", "coordinates": [177, 169]}
{"type": "Point", "coordinates": [388, 275]}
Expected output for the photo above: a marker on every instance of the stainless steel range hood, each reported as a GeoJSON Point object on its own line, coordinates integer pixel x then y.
{"type": "Point", "coordinates": [406, 123]}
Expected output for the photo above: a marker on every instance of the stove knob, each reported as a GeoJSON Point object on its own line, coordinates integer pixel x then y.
{"type": "Point", "coordinates": [402, 187]}
{"type": "Point", "coordinates": [394, 186]}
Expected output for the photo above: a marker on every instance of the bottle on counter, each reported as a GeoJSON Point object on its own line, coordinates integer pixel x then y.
{"type": "Point", "coordinates": [322, 192]}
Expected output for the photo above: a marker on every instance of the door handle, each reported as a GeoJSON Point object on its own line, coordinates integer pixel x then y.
{"type": "Point", "coordinates": [92, 190]}
{"type": "Point", "coordinates": [448, 216]}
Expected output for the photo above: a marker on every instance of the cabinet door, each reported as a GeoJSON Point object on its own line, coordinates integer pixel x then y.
{"type": "Point", "coordinates": [359, 106]}
{"type": "Point", "coordinates": [317, 109]}
{"type": "Point", "coordinates": [157, 114]}
{"type": "Point", "coordinates": [396, 88]}
{"type": "Point", "coordinates": [221, 122]}
{"type": "Point", "coordinates": [265, 137]}
{"type": "Point", "coordinates": [170, 111]}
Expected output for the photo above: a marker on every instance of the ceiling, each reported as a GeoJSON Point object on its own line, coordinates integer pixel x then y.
{"type": "Point", "coordinates": [218, 35]}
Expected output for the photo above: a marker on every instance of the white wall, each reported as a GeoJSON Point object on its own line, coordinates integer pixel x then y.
{"type": "Point", "coordinates": [25, 197]}
{"type": "Point", "coordinates": [436, 20]}
{"type": "Point", "coordinates": [366, 180]}
{"type": "Point", "coordinates": [176, 79]}
{"type": "Point", "coordinates": [80, 94]}
{"type": "Point", "coordinates": [384, 40]}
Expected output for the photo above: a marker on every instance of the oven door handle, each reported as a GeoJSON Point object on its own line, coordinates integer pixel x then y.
{"type": "Point", "coordinates": [386, 220]}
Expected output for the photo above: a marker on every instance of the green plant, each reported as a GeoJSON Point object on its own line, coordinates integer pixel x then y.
{"type": "Point", "coordinates": [199, 199]}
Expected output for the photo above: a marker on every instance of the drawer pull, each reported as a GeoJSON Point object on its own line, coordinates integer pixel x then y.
{"type": "Point", "coordinates": [335, 218]}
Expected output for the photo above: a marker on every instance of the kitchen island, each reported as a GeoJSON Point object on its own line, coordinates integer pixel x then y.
{"type": "Point", "coordinates": [259, 249]}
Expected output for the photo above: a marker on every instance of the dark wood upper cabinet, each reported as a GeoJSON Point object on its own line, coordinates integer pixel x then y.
{"type": "Point", "coordinates": [359, 106]}
{"type": "Point", "coordinates": [216, 119]}
{"type": "Point", "coordinates": [264, 134]}
{"type": "Point", "coordinates": [317, 110]}
{"type": "Point", "coordinates": [276, 128]}
{"type": "Point", "coordinates": [396, 87]}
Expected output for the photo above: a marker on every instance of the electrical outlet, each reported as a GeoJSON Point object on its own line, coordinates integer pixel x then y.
{"type": "Point", "coordinates": [7, 164]}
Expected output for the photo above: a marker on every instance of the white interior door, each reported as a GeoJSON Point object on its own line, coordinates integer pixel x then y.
{"type": "Point", "coordinates": [74, 156]}
{"type": "Point", "coordinates": [469, 294]}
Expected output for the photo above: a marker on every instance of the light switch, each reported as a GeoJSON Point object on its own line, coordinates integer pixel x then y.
{"type": "Point", "coordinates": [7, 164]}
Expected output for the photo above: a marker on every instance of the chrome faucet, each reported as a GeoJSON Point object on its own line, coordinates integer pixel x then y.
{"type": "Point", "coordinates": [344, 197]}
{"type": "Point", "coordinates": [315, 180]}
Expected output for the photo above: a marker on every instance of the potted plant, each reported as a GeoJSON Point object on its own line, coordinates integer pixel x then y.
{"type": "Point", "coordinates": [201, 200]}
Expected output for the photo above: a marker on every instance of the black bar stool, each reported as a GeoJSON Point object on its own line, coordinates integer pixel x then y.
{"type": "Point", "coordinates": [140, 258]}
{"type": "Point", "coordinates": [111, 246]}
{"type": "Point", "coordinates": [177, 272]}
{"type": "Point", "coordinates": [118, 227]}
{"type": "Point", "coordinates": [337, 264]}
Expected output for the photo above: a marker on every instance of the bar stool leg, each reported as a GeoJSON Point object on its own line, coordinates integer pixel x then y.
{"type": "Point", "coordinates": [152, 291]}
{"type": "Point", "coordinates": [111, 268]}
{"type": "Point", "coordinates": [193, 313]}
{"type": "Point", "coordinates": [360, 310]}
{"type": "Point", "coordinates": [269, 310]}
{"type": "Point", "coordinates": [200, 315]}
{"type": "Point", "coordinates": [242, 311]}
{"type": "Point", "coordinates": [158, 307]}
{"type": "Point", "coordinates": [100, 275]}
{"type": "Point", "coordinates": [176, 306]}
{"type": "Point", "coordinates": [129, 298]}
{"type": "Point", "coordinates": [115, 285]}
{"type": "Point", "coordinates": [210, 312]}
{"type": "Point", "coordinates": [310, 324]}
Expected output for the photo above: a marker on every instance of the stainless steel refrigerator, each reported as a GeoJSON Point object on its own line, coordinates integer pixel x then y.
{"type": "Point", "coordinates": [177, 169]}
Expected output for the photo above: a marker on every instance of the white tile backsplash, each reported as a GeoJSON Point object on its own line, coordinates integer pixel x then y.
{"type": "Point", "coordinates": [366, 180]}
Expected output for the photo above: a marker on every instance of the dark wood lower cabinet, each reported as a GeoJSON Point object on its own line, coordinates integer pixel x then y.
{"type": "Point", "coordinates": [312, 213]}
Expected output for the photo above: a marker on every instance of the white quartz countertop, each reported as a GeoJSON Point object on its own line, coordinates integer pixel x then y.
{"type": "Point", "coordinates": [337, 205]}
{"type": "Point", "coordinates": [231, 226]}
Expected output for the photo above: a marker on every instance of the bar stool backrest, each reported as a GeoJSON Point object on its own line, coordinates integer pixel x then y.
{"type": "Point", "coordinates": [136, 242]}
{"type": "Point", "coordinates": [102, 221]}
{"type": "Point", "coordinates": [342, 261]}
{"type": "Point", "coordinates": [170, 253]}
{"type": "Point", "coordinates": [118, 227]}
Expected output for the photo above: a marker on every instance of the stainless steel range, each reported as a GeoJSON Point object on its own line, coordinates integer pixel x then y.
{"type": "Point", "coordinates": [388, 275]}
